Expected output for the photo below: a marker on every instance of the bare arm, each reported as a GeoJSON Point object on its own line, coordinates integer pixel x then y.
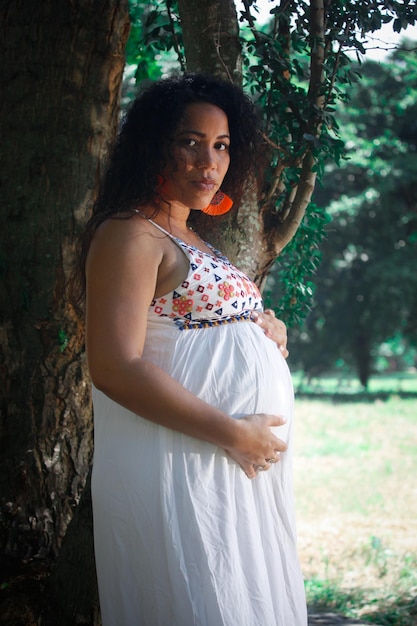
{"type": "Point", "coordinates": [125, 264]}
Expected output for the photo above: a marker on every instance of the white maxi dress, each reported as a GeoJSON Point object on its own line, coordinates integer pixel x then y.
{"type": "Point", "coordinates": [182, 536]}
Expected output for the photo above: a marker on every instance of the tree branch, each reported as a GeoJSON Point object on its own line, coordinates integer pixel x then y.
{"type": "Point", "coordinates": [317, 32]}
{"type": "Point", "coordinates": [294, 207]}
{"type": "Point", "coordinates": [177, 48]}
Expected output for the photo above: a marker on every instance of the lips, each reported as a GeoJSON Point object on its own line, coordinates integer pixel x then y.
{"type": "Point", "coordinates": [205, 184]}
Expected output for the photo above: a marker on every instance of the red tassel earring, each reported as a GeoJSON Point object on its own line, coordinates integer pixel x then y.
{"type": "Point", "coordinates": [220, 204]}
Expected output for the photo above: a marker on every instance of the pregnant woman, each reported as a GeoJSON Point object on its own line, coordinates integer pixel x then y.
{"type": "Point", "coordinates": [192, 479]}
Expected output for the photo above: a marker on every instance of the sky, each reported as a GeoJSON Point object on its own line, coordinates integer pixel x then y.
{"type": "Point", "coordinates": [376, 43]}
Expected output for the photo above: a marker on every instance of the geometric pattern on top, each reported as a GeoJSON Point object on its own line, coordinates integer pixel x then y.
{"type": "Point", "coordinates": [214, 292]}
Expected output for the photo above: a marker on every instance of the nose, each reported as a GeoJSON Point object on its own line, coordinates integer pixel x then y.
{"type": "Point", "coordinates": [206, 158]}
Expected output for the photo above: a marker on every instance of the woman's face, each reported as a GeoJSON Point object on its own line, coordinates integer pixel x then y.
{"type": "Point", "coordinates": [200, 156]}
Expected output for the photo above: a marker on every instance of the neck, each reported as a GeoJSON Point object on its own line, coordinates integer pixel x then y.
{"type": "Point", "coordinates": [171, 215]}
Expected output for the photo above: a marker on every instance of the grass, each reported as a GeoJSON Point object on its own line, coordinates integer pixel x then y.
{"type": "Point", "coordinates": [356, 494]}
{"type": "Point", "coordinates": [400, 383]}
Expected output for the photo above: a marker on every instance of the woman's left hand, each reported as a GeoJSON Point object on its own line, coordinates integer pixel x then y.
{"type": "Point", "coordinates": [273, 328]}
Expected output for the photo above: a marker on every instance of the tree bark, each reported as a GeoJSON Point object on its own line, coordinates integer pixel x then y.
{"type": "Point", "coordinates": [211, 38]}
{"type": "Point", "coordinates": [255, 234]}
{"type": "Point", "coordinates": [72, 590]}
{"type": "Point", "coordinates": [211, 43]}
{"type": "Point", "coordinates": [60, 79]}
{"type": "Point", "coordinates": [361, 352]}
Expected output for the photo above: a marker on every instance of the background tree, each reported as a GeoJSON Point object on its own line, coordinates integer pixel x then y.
{"type": "Point", "coordinates": [61, 72]}
{"type": "Point", "coordinates": [366, 284]}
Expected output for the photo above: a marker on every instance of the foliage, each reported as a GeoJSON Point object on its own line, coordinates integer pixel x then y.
{"type": "Point", "coordinates": [325, 595]}
{"type": "Point", "coordinates": [296, 268]}
{"type": "Point", "coordinates": [367, 284]}
{"type": "Point", "coordinates": [300, 76]}
{"type": "Point", "coordinates": [360, 149]}
{"type": "Point", "coordinates": [155, 35]}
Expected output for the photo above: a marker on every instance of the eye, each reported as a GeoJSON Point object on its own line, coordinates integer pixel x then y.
{"type": "Point", "coordinates": [188, 142]}
{"type": "Point", "coordinates": [222, 146]}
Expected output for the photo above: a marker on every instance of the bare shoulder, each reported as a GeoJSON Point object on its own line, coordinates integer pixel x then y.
{"type": "Point", "coordinates": [135, 255]}
{"type": "Point", "coordinates": [127, 237]}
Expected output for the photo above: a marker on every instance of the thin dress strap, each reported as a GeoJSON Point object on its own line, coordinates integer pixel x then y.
{"type": "Point", "coordinates": [181, 244]}
{"type": "Point", "coordinates": [154, 223]}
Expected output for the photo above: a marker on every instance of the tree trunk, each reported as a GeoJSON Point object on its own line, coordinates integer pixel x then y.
{"type": "Point", "coordinates": [361, 351]}
{"type": "Point", "coordinates": [211, 44]}
{"type": "Point", "coordinates": [211, 38]}
{"type": "Point", "coordinates": [60, 80]}
{"type": "Point", "coordinates": [72, 591]}
{"type": "Point", "coordinates": [255, 234]}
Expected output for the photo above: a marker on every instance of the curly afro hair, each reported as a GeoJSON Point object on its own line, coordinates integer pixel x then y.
{"type": "Point", "coordinates": [139, 154]}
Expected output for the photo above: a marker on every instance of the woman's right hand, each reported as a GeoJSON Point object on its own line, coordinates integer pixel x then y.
{"type": "Point", "coordinates": [257, 447]}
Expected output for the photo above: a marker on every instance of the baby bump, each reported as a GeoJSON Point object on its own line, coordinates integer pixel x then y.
{"type": "Point", "coordinates": [235, 368]}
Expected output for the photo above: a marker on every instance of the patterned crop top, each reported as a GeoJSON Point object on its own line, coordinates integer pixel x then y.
{"type": "Point", "coordinates": [214, 292]}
